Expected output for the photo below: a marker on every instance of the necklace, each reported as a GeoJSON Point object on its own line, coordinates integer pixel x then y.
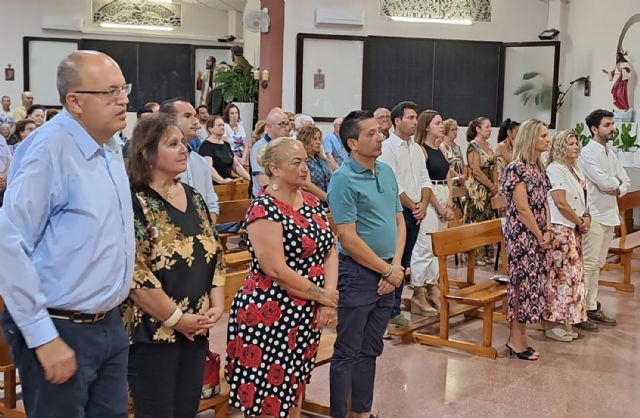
{"type": "Point", "coordinates": [168, 193]}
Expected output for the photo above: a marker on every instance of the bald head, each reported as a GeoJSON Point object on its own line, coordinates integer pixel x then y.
{"type": "Point", "coordinates": [277, 123]}
{"type": "Point", "coordinates": [381, 111]}
{"type": "Point", "coordinates": [78, 66]}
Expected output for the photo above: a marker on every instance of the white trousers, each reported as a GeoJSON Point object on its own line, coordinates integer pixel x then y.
{"type": "Point", "coordinates": [595, 246]}
{"type": "Point", "coordinates": [424, 266]}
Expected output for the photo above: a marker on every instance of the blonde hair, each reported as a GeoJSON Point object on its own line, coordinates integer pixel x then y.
{"type": "Point", "coordinates": [306, 135]}
{"type": "Point", "coordinates": [526, 140]}
{"type": "Point", "coordinates": [449, 124]}
{"type": "Point", "coordinates": [272, 152]}
{"type": "Point", "coordinates": [559, 145]}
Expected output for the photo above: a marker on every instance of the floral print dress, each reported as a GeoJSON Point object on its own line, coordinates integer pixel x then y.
{"type": "Point", "coordinates": [528, 263]}
{"type": "Point", "coordinates": [478, 205]}
{"type": "Point", "coordinates": [272, 338]}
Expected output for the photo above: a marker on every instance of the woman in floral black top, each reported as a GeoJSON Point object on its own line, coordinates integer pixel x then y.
{"type": "Point", "coordinates": [177, 292]}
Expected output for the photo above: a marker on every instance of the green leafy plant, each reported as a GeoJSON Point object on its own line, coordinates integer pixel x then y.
{"type": "Point", "coordinates": [237, 86]}
{"type": "Point", "coordinates": [584, 138]}
{"type": "Point", "coordinates": [625, 141]}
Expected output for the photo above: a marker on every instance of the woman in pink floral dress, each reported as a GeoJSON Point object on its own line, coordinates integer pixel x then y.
{"type": "Point", "coordinates": [565, 289]}
{"type": "Point", "coordinates": [527, 233]}
{"type": "Point", "coordinates": [290, 294]}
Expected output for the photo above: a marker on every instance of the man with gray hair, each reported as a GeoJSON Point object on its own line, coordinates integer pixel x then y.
{"type": "Point", "coordinates": [277, 126]}
{"type": "Point", "coordinates": [333, 148]}
{"type": "Point", "coordinates": [383, 116]}
{"type": "Point", "coordinates": [68, 248]}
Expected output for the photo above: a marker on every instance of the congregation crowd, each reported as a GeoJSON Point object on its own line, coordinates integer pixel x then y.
{"type": "Point", "coordinates": [100, 229]}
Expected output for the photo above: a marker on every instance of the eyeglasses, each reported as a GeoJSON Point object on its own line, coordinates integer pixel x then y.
{"type": "Point", "coordinates": [282, 125]}
{"type": "Point", "coordinates": [113, 92]}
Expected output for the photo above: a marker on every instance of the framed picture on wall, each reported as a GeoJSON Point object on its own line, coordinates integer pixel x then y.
{"type": "Point", "coordinates": [329, 75]}
{"type": "Point", "coordinates": [530, 83]}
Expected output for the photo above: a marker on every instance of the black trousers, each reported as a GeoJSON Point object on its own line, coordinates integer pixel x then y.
{"type": "Point", "coordinates": [99, 387]}
{"type": "Point", "coordinates": [166, 379]}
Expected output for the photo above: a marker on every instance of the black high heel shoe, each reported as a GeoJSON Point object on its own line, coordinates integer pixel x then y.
{"type": "Point", "coordinates": [528, 354]}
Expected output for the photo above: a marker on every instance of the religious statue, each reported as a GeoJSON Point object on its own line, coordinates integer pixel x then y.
{"type": "Point", "coordinates": [620, 76]}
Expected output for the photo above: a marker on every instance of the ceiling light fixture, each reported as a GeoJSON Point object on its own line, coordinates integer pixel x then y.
{"type": "Point", "coordinates": [425, 20]}
{"type": "Point", "coordinates": [140, 27]}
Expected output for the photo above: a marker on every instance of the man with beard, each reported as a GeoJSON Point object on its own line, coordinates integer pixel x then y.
{"type": "Point", "coordinates": [206, 84]}
{"type": "Point", "coordinates": [606, 180]}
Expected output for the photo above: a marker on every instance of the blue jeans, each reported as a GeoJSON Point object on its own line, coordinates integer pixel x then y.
{"type": "Point", "coordinates": [361, 325]}
{"type": "Point", "coordinates": [99, 387]}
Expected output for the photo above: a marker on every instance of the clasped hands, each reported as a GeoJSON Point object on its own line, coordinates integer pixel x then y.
{"type": "Point", "coordinates": [191, 325]}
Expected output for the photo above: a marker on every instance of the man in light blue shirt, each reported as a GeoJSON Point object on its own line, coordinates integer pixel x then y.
{"type": "Point", "coordinates": [198, 174]}
{"type": "Point", "coordinates": [277, 126]}
{"type": "Point", "coordinates": [67, 248]}
{"type": "Point", "coordinates": [5, 163]}
{"type": "Point", "coordinates": [333, 147]}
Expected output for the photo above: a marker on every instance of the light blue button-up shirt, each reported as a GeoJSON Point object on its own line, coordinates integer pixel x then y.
{"type": "Point", "coordinates": [198, 176]}
{"type": "Point", "coordinates": [66, 227]}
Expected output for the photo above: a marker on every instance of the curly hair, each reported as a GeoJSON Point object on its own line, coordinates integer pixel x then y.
{"type": "Point", "coordinates": [306, 135]}
{"type": "Point", "coordinates": [559, 145]}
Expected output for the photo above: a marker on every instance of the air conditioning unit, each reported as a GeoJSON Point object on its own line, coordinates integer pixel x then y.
{"type": "Point", "coordinates": [347, 17]}
{"type": "Point", "coordinates": [62, 23]}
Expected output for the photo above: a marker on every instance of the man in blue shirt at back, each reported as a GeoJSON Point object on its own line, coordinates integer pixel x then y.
{"type": "Point", "coordinates": [67, 249]}
{"type": "Point", "coordinates": [333, 148]}
{"type": "Point", "coordinates": [363, 197]}
{"type": "Point", "coordinates": [277, 126]}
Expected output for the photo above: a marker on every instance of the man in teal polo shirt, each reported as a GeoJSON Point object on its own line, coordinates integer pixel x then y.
{"type": "Point", "coordinates": [363, 198]}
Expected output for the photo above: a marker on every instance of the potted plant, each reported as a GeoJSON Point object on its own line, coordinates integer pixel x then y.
{"type": "Point", "coordinates": [626, 144]}
{"type": "Point", "coordinates": [239, 87]}
{"type": "Point", "coordinates": [579, 129]}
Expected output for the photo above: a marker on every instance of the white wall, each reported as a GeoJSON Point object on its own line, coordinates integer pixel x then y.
{"type": "Point", "coordinates": [251, 44]}
{"type": "Point", "coordinates": [20, 18]}
{"type": "Point", "coordinates": [512, 20]}
{"type": "Point", "coordinates": [591, 29]}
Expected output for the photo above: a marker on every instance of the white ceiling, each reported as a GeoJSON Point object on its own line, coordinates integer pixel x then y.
{"type": "Point", "coordinates": [237, 5]}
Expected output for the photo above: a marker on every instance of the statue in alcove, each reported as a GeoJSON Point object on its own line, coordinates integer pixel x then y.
{"type": "Point", "coordinates": [620, 76]}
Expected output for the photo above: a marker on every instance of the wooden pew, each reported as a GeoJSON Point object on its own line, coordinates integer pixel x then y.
{"type": "Point", "coordinates": [624, 245]}
{"type": "Point", "coordinates": [232, 191]}
{"type": "Point", "coordinates": [232, 211]}
{"type": "Point", "coordinates": [471, 296]}
{"type": "Point", "coordinates": [8, 406]}
{"type": "Point", "coordinates": [499, 204]}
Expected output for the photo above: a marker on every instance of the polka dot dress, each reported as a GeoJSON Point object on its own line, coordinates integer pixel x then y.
{"type": "Point", "coordinates": [271, 336]}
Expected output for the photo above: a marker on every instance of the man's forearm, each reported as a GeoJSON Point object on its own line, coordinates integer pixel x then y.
{"type": "Point", "coordinates": [362, 253]}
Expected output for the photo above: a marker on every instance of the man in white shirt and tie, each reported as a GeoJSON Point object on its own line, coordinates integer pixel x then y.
{"type": "Point", "coordinates": [606, 180]}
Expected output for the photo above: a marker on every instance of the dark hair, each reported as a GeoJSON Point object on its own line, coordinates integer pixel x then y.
{"type": "Point", "coordinates": [142, 111]}
{"type": "Point", "coordinates": [143, 147]}
{"type": "Point", "coordinates": [35, 107]}
{"type": "Point", "coordinates": [50, 114]}
{"type": "Point", "coordinates": [201, 106]}
{"type": "Point", "coordinates": [595, 117]}
{"type": "Point", "coordinates": [350, 127]}
{"type": "Point", "coordinates": [168, 106]}
{"type": "Point", "coordinates": [227, 109]}
{"type": "Point", "coordinates": [212, 121]}
{"type": "Point", "coordinates": [505, 127]}
{"type": "Point", "coordinates": [398, 110]}
{"type": "Point", "coordinates": [424, 120]}
{"type": "Point", "coordinates": [21, 125]}
{"type": "Point", "coordinates": [212, 58]}
{"type": "Point", "coordinates": [236, 51]}
{"type": "Point", "coordinates": [473, 126]}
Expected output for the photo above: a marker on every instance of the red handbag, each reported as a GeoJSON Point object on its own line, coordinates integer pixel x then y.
{"type": "Point", "coordinates": [211, 380]}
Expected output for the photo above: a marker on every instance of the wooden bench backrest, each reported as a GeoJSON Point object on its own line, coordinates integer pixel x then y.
{"type": "Point", "coordinates": [232, 191]}
{"type": "Point", "coordinates": [627, 202]}
{"type": "Point", "coordinates": [233, 211]}
{"type": "Point", "coordinates": [233, 282]}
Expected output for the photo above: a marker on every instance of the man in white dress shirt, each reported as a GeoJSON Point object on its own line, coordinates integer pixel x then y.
{"type": "Point", "coordinates": [407, 161]}
{"type": "Point", "coordinates": [606, 180]}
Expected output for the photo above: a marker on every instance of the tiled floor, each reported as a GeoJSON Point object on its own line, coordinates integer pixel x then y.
{"type": "Point", "coordinates": [597, 375]}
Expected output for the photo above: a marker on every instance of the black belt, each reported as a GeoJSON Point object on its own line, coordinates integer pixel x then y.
{"type": "Point", "coordinates": [77, 317]}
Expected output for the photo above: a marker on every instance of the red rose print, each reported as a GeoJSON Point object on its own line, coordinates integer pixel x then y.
{"type": "Point", "coordinates": [318, 220]}
{"type": "Point", "coordinates": [308, 246]}
{"type": "Point", "coordinates": [234, 347]}
{"type": "Point", "coordinates": [256, 212]}
{"type": "Point", "coordinates": [314, 322]}
{"type": "Point", "coordinates": [246, 393]}
{"type": "Point", "coordinates": [297, 301]}
{"type": "Point", "coordinates": [251, 356]}
{"type": "Point", "coordinates": [263, 282]}
{"type": "Point", "coordinates": [291, 338]}
{"type": "Point", "coordinates": [275, 376]}
{"type": "Point", "coordinates": [249, 286]}
{"type": "Point", "coordinates": [310, 199]}
{"type": "Point", "coordinates": [311, 351]}
{"type": "Point", "coordinates": [271, 406]}
{"type": "Point", "coordinates": [316, 271]}
{"type": "Point", "coordinates": [294, 379]}
{"type": "Point", "coordinates": [299, 391]}
{"type": "Point", "coordinates": [284, 208]}
{"type": "Point", "coordinates": [228, 370]}
{"type": "Point", "coordinates": [300, 220]}
{"type": "Point", "coordinates": [270, 313]}
{"type": "Point", "coordinates": [252, 315]}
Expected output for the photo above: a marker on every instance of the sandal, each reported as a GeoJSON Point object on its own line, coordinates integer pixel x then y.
{"type": "Point", "coordinates": [529, 354]}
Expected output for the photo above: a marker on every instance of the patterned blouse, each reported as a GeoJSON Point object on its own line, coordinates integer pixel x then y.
{"type": "Point", "coordinates": [178, 252]}
{"type": "Point", "coordinates": [320, 172]}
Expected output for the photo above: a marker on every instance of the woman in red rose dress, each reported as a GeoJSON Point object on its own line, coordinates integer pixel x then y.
{"type": "Point", "coordinates": [290, 293]}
